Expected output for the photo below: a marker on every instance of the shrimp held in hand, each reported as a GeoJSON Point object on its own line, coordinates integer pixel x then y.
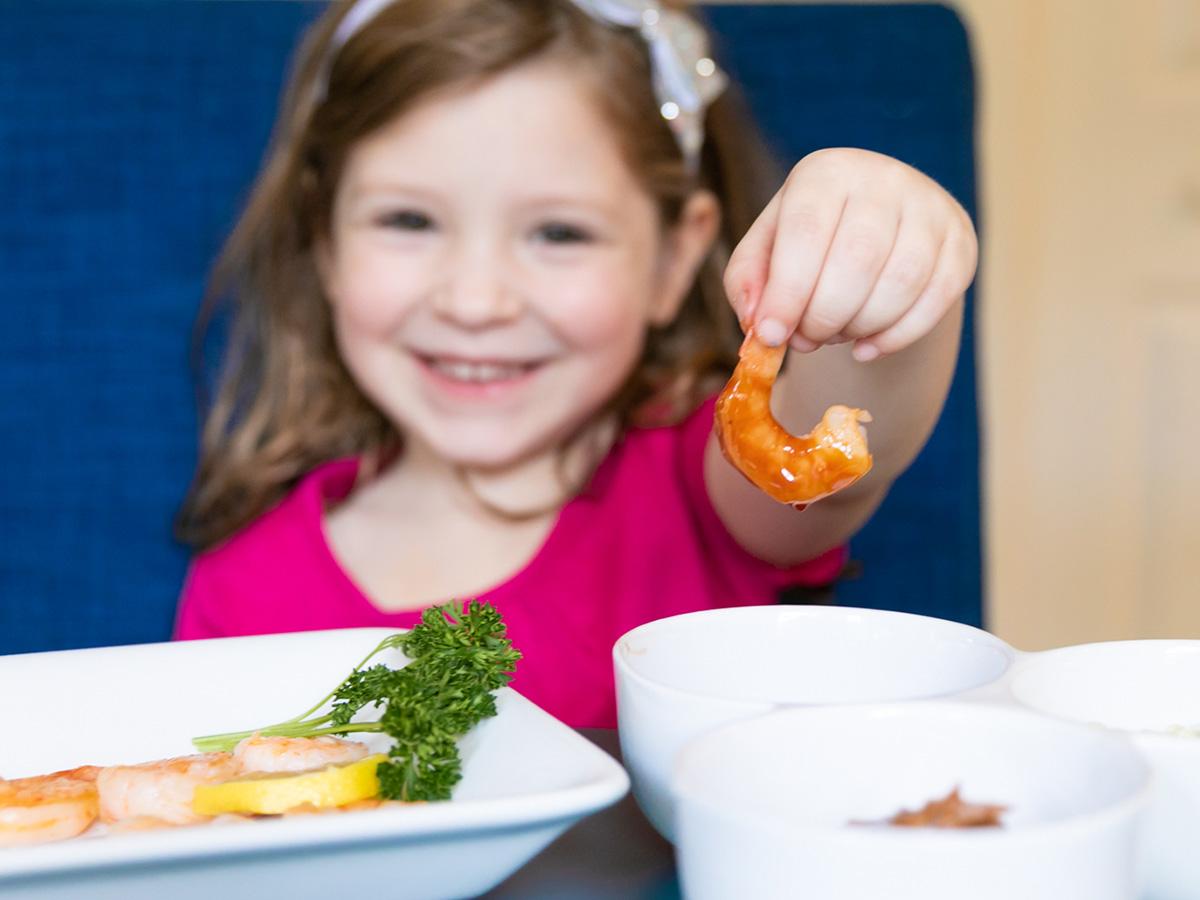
{"type": "Point", "coordinates": [792, 469]}
{"type": "Point", "coordinates": [47, 807]}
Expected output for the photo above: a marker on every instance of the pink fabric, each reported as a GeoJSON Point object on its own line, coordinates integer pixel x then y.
{"type": "Point", "coordinates": [642, 543]}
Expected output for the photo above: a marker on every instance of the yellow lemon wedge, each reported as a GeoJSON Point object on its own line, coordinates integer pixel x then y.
{"type": "Point", "coordinates": [272, 793]}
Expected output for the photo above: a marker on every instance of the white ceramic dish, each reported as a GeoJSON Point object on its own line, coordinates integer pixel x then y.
{"type": "Point", "coordinates": [766, 806]}
{"type": "Point", "coordinates": [1143, 688]}
{"type": "Point", "coordinates": [682, 676]}
{"type": "Point", "coordinates": [526, 778]}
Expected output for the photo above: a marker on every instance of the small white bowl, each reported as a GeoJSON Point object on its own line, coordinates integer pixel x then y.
{"type": "Point", "coordinates": [682, 676]}
{"type": "Point", "coordinates": [767, 807]}
{"type": "Point", "coordinates": [1144, 688]}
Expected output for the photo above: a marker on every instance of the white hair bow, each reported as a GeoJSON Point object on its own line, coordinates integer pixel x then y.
{"type": "Point", "coordinates": [685, 78]}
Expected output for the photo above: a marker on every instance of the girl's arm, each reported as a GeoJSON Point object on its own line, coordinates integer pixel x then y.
{"type": "Point", "coordinates": [861, 263]}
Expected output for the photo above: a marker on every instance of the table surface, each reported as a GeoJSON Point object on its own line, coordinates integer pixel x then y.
{"type": "Point", "coordinates": [613, 855]}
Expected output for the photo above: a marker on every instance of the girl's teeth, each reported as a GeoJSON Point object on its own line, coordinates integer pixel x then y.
{"type": "Point", "coordinates": [478, 373]}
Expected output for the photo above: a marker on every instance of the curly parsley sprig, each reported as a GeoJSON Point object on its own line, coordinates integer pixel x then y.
{"type": "Point", "coordinates": [459, 654]}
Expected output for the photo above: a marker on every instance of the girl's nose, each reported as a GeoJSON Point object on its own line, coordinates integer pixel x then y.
{"type": "Point", "coordinates": [477, 292]}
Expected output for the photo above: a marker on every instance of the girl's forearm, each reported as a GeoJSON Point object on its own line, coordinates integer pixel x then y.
{"type": "Point", "coordinates": [904, 392]}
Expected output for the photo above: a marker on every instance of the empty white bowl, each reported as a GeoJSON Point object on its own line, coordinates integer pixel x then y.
{"type": "Point", "coordinates": [682, 676]}
{"type": "Point", "coordinates": [767, 807]}
{"type": "Point", "coordinates": [1145, 688]}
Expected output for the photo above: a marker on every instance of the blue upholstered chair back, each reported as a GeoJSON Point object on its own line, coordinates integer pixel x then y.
{"type": "Point", "coordinates": [129, 132]}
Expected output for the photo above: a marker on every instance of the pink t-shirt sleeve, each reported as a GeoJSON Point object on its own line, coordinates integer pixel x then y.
{"type": "Point", "coordinates": [194, 617]}
{"type": "Point", "coordinates": [278, 573]}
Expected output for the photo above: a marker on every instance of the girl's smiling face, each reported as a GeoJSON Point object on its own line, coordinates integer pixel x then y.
{"type": "Point", "coordinates": [493, 265]}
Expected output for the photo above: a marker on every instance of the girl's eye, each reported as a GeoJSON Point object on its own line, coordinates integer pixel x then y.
{"type": "Point", "coordinates": [561, 233]}
{"type": "Point", "coordinates": [406, 220]}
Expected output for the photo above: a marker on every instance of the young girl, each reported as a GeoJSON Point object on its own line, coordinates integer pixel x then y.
{"type": "Point", "coordinates": [481, 323]}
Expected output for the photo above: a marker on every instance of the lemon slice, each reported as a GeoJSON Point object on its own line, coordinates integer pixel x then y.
{"type": "Point", "coordinates": [272, 793]}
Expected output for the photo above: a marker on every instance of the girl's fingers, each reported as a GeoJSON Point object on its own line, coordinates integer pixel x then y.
{"type": "Point", "coordinates": [855, 247]}
{"type": "Point", "coordinates": [808, 217]}
{"type": "Point", "coordinates": [905, 275]}
{"type": "Point", "coordinates": [857, 255]}
{"type": "Point", "coordinates": [750, 263]}
{"type": "Point", "coordinates": [949, 282]}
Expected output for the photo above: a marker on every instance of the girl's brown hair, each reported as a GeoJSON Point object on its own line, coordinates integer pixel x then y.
{"type": "Point", "coordinates": [285, 403]}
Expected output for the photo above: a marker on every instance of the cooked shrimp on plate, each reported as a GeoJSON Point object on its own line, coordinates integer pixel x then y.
{"type": "Point", "coordinates": [48, 807]}
{"type": "Point", "coordinates": [296, 754]}
{"type": "Point", "coordinates": [152, 795]}
{"type": "Point", "coordinates": [162, 789]}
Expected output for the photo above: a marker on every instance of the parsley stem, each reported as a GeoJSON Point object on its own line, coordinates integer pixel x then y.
{"type": "Point", "coordinates": [310, 728]}
{"type": "Point", "coordinates": [387, 643]}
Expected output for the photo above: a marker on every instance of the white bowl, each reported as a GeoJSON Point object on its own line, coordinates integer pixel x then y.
{"type": "Point", "coordinates": [682, 676]}
{"type": "Point", "coordinates": [1145, 688]}
{"type": "Point", "coordinates": [766, 807]}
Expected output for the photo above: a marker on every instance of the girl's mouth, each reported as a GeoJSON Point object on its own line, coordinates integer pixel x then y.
{"type": "Point", "coordinates": [477, 373]}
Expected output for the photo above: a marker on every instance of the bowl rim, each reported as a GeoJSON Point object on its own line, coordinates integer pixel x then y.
{"type": "Point", "coordinates": [1130, 805]}
{"type": "Point", "coordinates": [627, 670]}
{"type": "Point", "coordinates": [1029, 664]}
{"type": "Point", "coordinates": [1048, 655]}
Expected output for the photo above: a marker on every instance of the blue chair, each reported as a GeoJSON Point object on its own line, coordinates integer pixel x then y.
{"type": "Point", "coordinates": [129, 133]}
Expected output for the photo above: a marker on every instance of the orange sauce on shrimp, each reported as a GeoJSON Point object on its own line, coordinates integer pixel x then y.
{"type": "Point", "coordinates": [794, 469]}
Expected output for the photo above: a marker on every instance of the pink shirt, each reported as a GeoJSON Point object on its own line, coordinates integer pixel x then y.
{"type": "Point", "coordinates": [643, 542]}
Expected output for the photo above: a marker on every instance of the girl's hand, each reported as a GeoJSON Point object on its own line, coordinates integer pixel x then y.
{"type": "Point", "coordinates": [856, 246]}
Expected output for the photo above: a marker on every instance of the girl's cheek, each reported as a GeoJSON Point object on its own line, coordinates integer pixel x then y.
{"type": "Point", "coordinates": [594, 325]}
{"type": "Point", "coordinates": [379, 294]}
{"type": "Point", "coordinates": [593, 306]}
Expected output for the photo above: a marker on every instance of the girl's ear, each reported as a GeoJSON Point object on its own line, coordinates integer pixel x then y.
{"type": "Point", "coordinates": [685, 248]}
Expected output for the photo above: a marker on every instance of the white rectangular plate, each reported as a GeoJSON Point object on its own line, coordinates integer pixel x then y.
{"type": "Point", "coordinates": [526, 777]}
